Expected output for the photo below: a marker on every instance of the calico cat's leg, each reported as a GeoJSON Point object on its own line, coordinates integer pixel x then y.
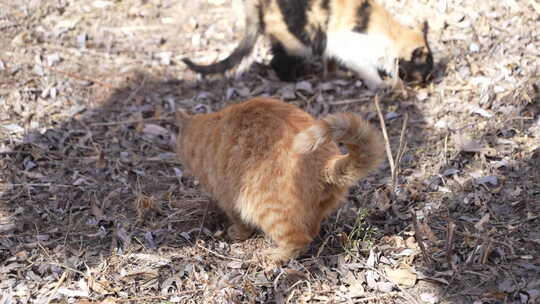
{"type": "Point", "coordinates": [371, 78]}
{"type": "Point", "coordinates": [238, 230]}
{"type": "Point", "coordinates": [361, 53]}
{"type": "Point", "coordinates": [287, 67]}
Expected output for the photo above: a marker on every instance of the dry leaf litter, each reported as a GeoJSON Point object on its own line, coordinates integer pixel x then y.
{"type": "Point", "coordinates": [94, 207]}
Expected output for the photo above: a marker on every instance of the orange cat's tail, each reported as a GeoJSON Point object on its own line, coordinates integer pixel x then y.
{"type": "Point", "coordinates": [364, 142]}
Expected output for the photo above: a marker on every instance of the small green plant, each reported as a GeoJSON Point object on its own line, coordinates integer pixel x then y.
{"type": "Point", "coordinates": [361, 238]}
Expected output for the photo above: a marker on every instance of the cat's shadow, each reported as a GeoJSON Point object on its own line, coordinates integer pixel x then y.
{"type": "Point", "coordinates": [112, 165]}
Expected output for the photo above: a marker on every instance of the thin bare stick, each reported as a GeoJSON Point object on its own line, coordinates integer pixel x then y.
{"type": "Point", "coordinates": [35, 185]}
{"type": "Point", "coordinates": [276, 280]}
{"type": "Point", "coordinates": [203, 219]}
{"type": "Point", "coordinates": [420, 238]}
{"type": "Point", "coordinates": [486, 249]}
{"type": "Point", "coordinates": [348, 101]}
{"type": "Point", "coordinates": [401, 149]}
{"type": "Point", "coordinates": [70, 220]}
{"type": "Point", "coordinates": [136, 90]}
{"type": "Point", "coordinates": [83, 78]}
{"type": "Point", "coordinates": [385, 135]}
{"type": "Point", "coordinates": [125, 122]}
{"type": "Point", "coordinates": [218, 255]}
{"type": "Point", "coordinates": [67, 268]}
{"type": "Point", "coordinates": [178, 293]}
{"type": "Point", "coordinates": [393, 163]}
{"type": "Point", "coordinates": [58, 284]}
{"type": "Point", "coordinates": [512, 251]}
{"type": "Point", "coordinates": [450, 242]}
{"type": "Point", "coordinates": [377, 297]}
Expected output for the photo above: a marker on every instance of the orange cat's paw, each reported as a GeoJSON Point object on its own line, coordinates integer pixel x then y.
{"type": "Point", "coordinates": [275, 256]}
{"type": "Point", "coordinates": [239, 233]}
{"type": "Point", "coordinates": [280, 255]}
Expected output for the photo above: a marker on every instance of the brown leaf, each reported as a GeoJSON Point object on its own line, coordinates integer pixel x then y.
{"type": "Point", "coordinates": [372, 259]}
{"type": "Point", "coordinates": [235, 264]}
{"type": "Point", "coordinates": [96, 211]}
{"type": "Point", "coordinates": [98, 286]}
{"type": "Point", "coordinates": [403, 277]}
{"type": "Point", "coordinates": [371, 279]}
{"type": "Point", "coordinates": [158, 112]}
{"type": "Point", "coordinates": [466, 144]}
{"type": "Point", "coordinates": [480, 225]}
{"type": "Point", "coordinates": [287, 92]}
{"type": "Point", "coordinates": [384, 287]}
{"type": "Point", "coordinates": [156, 130]}
{"type": "Point", "coordinates": [356, 289]}
{"type": "Point", "coordinates": [411, 243]}
{"type": "Point", "coordinates": [147, 272]}
{"type": "Point", "coordinates": [304, 86]}
{"type": "Point", "coordinates": [429, 298]}
{"type": "Point", "coordinates": [427, 232]}
{"type": "Point", "coordinates": [382, 200]}
{"type": "Point", "coordinates": [494, 295]}
{"type": "Point", "coordinates": [293, 273]}
{"type": "Point", "coordinates": [170, 284]}
{"type": "Point", "coordinates": [72, 292]}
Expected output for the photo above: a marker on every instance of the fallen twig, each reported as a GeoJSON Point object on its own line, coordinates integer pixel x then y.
{"type": "Point", "coordinates": [486, 249]}
{"type": "Point", "coordinates": [385, 135]}
{"type": "Point", "coordinates": [58, 284]}
{"type": "Point", "coordinates": [348, 101]}
{"type": "Point", "coordinates": [83, 78]}
{"type": "Point", "coordinates": [375, 297]}
{"type": "Point", "coordinates": [401, 149]}
{"type": "Point", "coordinates": [420, 238]}
{"type": "Point", "coordinates": [35, 185]}
{"type": "Point", "coordinates": [512, 251]}
{"type": "Point", "coordinates": [178, 293]}
{"type": "Point", "coordinates": [132, 94]}
{"type": "Point", "coordinates": [67, 268]}
{"type": "Point", "coordinates": [125, 122]}
{"type": "Point", "coordinates": [450, 242]}
{"type": "Point", "coordinates": [203, 219]}
{"type": "Point", "coordinates": [217, 254]}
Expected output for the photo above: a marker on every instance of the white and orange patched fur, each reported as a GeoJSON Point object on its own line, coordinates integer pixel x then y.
{"type": "Point", "coordinates": [359, 34]}
{"type": "Point", "coordinates": [272, 166]}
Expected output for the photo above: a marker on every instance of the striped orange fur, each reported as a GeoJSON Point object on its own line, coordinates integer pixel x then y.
{"type": "Point", "coordinates": [272, 166]}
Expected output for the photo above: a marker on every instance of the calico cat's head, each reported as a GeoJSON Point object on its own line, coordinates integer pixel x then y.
{"type": "Point", "coordinates": [416, 60]}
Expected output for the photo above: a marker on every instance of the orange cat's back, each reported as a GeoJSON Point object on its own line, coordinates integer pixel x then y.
{"type": "Point", "coordinates": [270, 165]}
{"type": "Point", "coordinates": [244, 143]}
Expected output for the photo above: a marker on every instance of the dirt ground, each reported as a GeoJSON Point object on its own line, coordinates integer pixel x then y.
{"type": "Point", "coordinates": [94, 207]}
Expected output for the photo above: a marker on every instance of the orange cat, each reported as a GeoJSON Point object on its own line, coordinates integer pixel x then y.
{"type": "Point", "coordinates": [270, 165]}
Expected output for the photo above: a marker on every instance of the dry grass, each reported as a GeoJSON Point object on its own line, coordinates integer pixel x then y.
{"type": "Point", "coordinates": [95, 208]}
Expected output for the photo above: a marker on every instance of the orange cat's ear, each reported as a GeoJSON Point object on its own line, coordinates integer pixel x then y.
{"type": "Point", "coordinates": [181, 116]}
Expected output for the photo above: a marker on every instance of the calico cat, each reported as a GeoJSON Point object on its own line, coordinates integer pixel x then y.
{"type": "Point", "coordinates": [360, 34]}
{"type": "Point", "coordinates": [272, 166]}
